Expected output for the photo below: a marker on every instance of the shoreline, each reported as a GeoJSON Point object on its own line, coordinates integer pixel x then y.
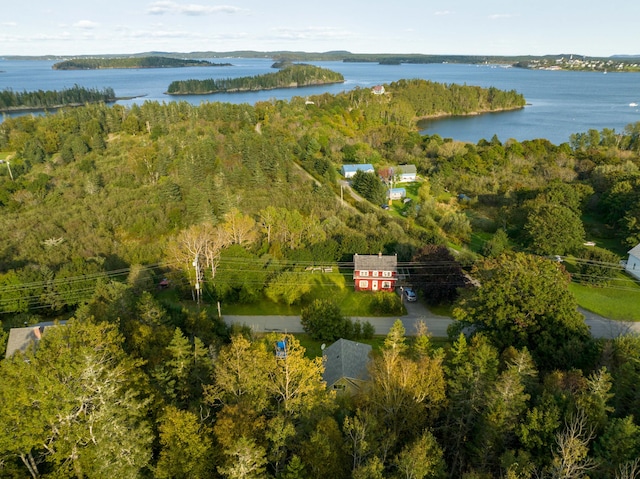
{"type": "Point", "coordinates": [248, 90]}
{"type": "Point", "coordinates": [138, 67]}
{"type": "Point", "coordinates": [33, 109]}
{"type": "Point", "coordinates": [473, 113]}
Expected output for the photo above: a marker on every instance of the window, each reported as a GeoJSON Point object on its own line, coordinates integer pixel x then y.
{"type": "Point", "coordinates": [375, 273]}
{"type": "Point", "coordinates": [364, 273]}
{"type": "Point", "coordinates": [386, 284]}
{"type": "Point", "coordinates": [387, 274]}
{"type": "Point", "coordinates": [363, 284]}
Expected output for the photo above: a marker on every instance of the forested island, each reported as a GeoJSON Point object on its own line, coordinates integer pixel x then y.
{"type": "Point", "coordinates": [43, 99]}
{"type": "Point", "coordinates": [132, 62]}
{"type": "Point", "coordinates": [142, 228]}
{"type": "Point", "coordinates": [292, 76]}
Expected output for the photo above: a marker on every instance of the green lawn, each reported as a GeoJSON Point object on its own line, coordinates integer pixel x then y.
{"type": "Point", "coordinates": [334, 286]}
{"type": "Point", "coordinates": [620, 301]}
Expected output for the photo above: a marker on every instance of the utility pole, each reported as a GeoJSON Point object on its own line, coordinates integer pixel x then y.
{"type": "Point", "coordinates": [196, 265]}
{"type": "Point", "coordinates": [8, 168]}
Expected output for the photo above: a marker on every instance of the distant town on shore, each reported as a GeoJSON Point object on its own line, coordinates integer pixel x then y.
{"type": "Point", "coordinates": [566, 61]}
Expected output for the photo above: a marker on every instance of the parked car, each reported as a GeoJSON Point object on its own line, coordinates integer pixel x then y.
{"type": "Point", "coordinates": [410, 294]}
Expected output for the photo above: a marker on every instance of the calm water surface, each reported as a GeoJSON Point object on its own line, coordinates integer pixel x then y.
{"type": "Point", "coordinates": [558, 103]}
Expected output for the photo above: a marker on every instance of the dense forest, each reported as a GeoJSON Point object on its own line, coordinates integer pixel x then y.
{"type": "Point", "coordinates": [293, 76]}
{"type": "Point", "coordinates": [132, 62]}
{"type": "Point", "coordinates": [234, 204]}
{"type": "Point", "coordinates": [77, 95]}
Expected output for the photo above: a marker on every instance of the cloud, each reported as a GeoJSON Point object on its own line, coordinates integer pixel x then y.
{"type": "Point", "coordinates": [499, 16]}
{"type": "Point", "coordinates": [443, 12]}
{"type": "Point", "coordinates": [191, 9]}
{"type": "Point", "coordinates": [85, 24]}
{"type": "Point", "coordinates": [310, 33]}
{"type": "Point", "coordinates": [9, 24]}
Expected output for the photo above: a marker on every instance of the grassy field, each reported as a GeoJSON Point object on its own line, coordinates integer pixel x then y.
{"type": "Point", "coordinates": [619, 302]}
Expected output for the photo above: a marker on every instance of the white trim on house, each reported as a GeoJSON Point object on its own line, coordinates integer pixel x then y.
{"type": "Point", "coordinates": [633, 263]}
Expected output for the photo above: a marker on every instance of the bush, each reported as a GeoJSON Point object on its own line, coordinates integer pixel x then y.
{"type": "Point", "coordinates": [368, 330]}
{"type": "Point", "coordinates": [596, 266]}
{"type": "Point", "coordinates": [385, 302]}
{"type": "Point", "coordinates": [323, 321]}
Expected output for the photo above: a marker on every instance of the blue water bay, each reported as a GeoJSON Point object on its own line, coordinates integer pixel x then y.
{"type": "Point", "coordinates": [559, 103]}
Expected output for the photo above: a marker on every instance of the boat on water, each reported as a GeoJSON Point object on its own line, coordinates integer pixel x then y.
{"type": "Point", "coordinates": [633, 104]}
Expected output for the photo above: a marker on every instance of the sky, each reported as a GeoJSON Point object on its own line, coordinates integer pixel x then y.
{"type": "Point", "coordinates": [440, 27]}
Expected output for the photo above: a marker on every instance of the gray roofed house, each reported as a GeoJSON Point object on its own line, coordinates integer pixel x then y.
{"type": "Point", "coordinates": [375, 262]}
{"type": "Point", "coordinates": [21, 339]}
{"type": "Point", "coordinates": [375, 272]}
{"type": "Point", "coordinates": [345, 367]}
{"type": "Point", "coordinates": [405, 173]}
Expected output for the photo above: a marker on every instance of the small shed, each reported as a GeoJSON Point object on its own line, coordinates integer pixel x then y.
{"type": "Point", "coordinates": [349, 171]}
{"type": "Point", "coordinates": [396, 193]}
{"type": "Point", "coordinates": [346, 365]}
{"type": "Point", "coordinates": [281, 349]}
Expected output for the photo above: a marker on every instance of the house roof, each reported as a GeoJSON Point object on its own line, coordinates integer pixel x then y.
{"type": "Point", "coordinates": [357, 167]}
{"type": "Point", "coordinates": [21, 338]}
{"type": "Point", "coordinates": [405, 169]}
{"type": "Point", "coordinates": [346, 359]}
{"type": "Point", "coordinates": [635, 251]}
{"type": "Point", "coordinates": [375, 262]}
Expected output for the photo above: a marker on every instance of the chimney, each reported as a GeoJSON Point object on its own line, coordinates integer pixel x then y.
{"type": "Point", "coordinates": [380, 254]}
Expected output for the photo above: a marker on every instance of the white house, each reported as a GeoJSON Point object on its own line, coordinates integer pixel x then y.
{"type": "Point", "coordinates": [405, 173]}
{"type": "Point", "coordinates": [633, 263]}
{"type": "Point", "coordinates": [396, 193]}
{"type": "Point", "coordinates": [349, 171]}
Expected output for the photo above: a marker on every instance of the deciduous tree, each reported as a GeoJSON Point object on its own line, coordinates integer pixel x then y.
{"type": "Point", "coordinates": [524, 301]}
{"type": "Point", "coordinates": [437, 273]}
{"type": "Point", "coordinates": [324, 321]}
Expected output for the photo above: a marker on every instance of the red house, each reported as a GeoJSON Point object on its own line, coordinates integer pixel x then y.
{"type": "Point", "coordinates": [375, 272]}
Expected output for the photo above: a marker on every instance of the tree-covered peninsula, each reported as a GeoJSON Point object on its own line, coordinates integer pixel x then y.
{"type": "Point", "coordinates": [132, 62]}
{"type": "Point", "coordinates": [293, 76]}
{"type": "Point", "coordinates": [43, 99]}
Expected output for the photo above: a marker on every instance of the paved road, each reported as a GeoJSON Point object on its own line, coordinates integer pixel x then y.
{"type": "Point", "coordinates": [437, 325]}
{"type": "Point", "coordinates": [606, 328]}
